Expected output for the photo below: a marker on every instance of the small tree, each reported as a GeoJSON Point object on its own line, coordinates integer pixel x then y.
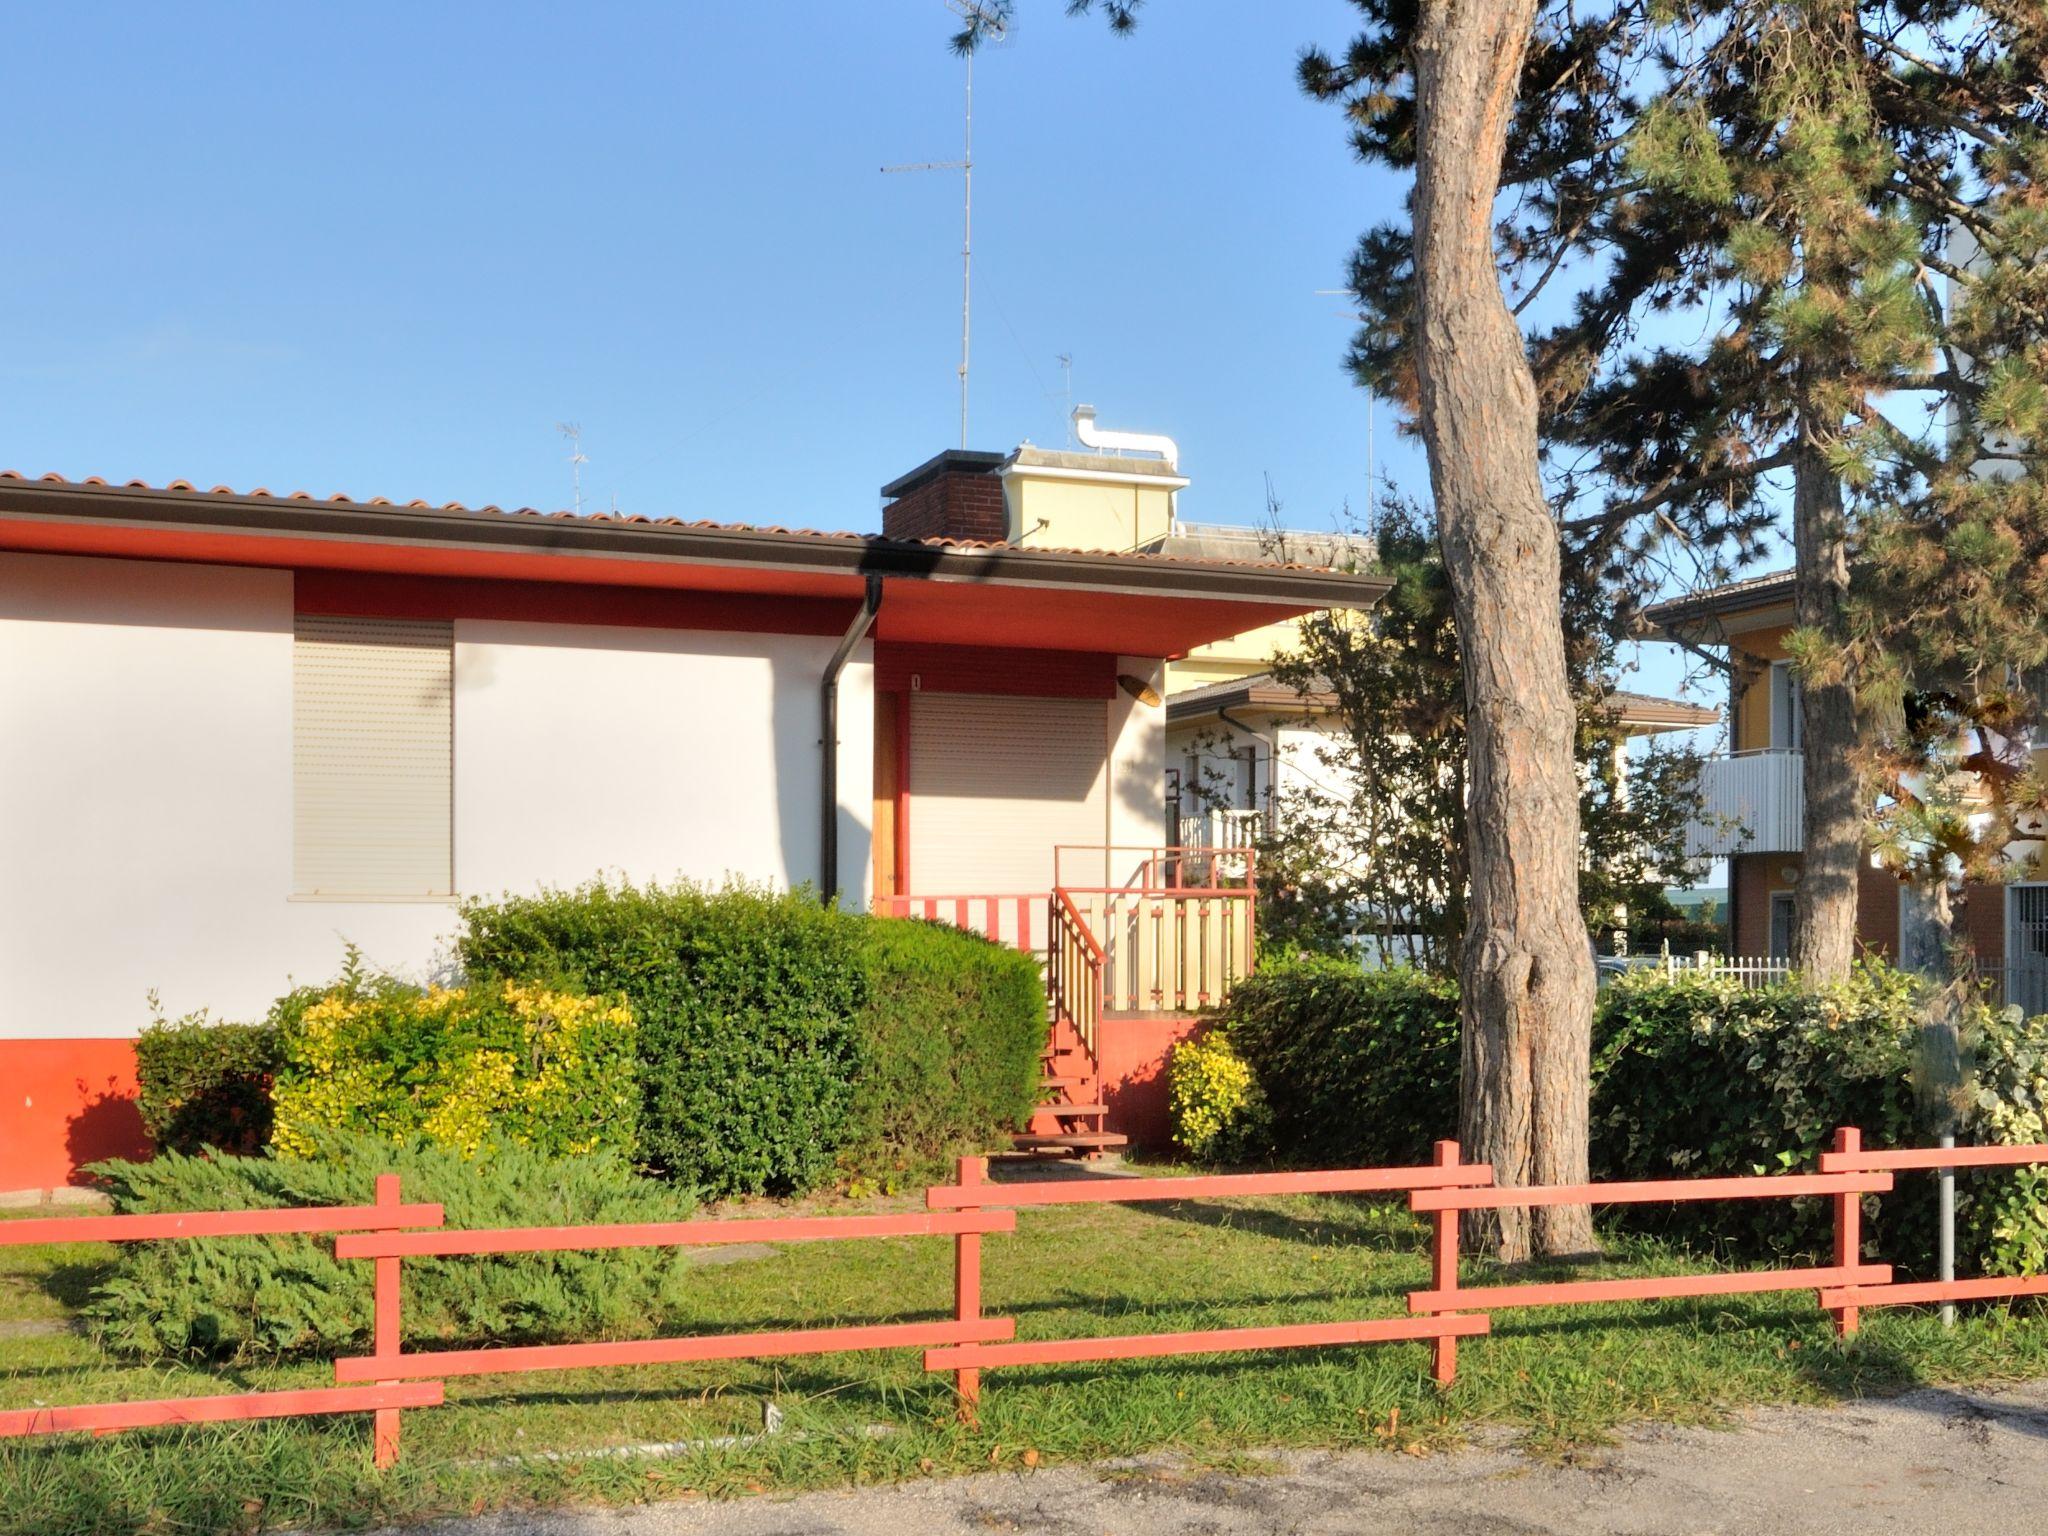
{"type": "Point", "coordinates": [1376, 849]}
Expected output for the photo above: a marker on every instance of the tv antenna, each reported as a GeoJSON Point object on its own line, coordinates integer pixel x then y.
{"type": "Point", "coordinates": [1066, 362]}
{"type": "Point", "coordinates": [988, 25]}
{"type": "Point", "coordinates": [577, 458]}
{"type": "Point", "coordinates": [1370, 398]}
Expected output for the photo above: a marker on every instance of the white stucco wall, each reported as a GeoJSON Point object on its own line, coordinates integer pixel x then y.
{"type": "Point", "coordinates": [146, 784]}
{"type": "Point", "coordinates": [652, 753]}
{"type": "Point", "coordinates": [1137, 760]}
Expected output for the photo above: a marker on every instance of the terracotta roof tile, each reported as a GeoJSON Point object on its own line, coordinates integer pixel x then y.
{"type": "Point", "coordinates": [186, 487]}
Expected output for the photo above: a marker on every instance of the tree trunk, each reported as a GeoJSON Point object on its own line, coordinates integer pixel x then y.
{"type": "Point", "coordinates": [1824, 901]}
{"type": "Point", "coordinates": [1527, 969]}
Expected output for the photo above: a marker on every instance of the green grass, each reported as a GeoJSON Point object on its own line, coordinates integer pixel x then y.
{"type": "Point", "coordinates": [1563, 1376]}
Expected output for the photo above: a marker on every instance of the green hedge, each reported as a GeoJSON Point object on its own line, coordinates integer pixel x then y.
{"type": "Point", "coordinates": [748, 1005]}
{"type": "Point", "coordinates": [274, 1298]}
{"type": "Point", "coordinates": [200, 1084]}
{"type": "Point", "coordinates": [1357, 1068]}
{"type": "Point", "coordinates": [953, 1030]}
{"type": "Point", "coordinates": [1691, 1076]}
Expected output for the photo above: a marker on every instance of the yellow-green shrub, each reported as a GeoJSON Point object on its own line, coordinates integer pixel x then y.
{"type": "Point", "coordinates": [463, 1067]}
{"type": "Point", "coordinates": [1218, 1112]}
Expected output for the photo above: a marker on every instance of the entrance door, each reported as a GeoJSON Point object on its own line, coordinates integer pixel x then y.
{"type": "Point", "coordinates": [996, 783]}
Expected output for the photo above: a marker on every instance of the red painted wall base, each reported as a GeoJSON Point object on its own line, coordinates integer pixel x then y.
{"type": "Point", "coordinates": [1134, 1048]}
{"type": "Point", "coordinates": [63, 1104]}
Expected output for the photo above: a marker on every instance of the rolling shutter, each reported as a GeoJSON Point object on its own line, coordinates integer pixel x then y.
{"type": "Point", "coordinates": [996, 783]}
{"type": "Point", "coordinates": [372, 757]}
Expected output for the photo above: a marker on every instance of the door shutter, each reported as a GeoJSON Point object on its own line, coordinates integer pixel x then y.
{"type": "Point", "coordinates": [996, 784]}
{"type": "Point", "coordinates": [372, 757]}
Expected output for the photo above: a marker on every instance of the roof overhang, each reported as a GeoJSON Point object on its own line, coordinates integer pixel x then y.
{"type": "Point", "coordinates": [1742, 607]}
{"type": "Point", "coordinates": [943, 593]}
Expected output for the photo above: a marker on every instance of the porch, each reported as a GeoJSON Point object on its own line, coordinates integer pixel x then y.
{"type": "Point", "coordinates": [1138, 945]}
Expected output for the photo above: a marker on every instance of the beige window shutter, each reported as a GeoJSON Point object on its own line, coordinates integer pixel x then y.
{"type": "Point", "coordinates": [372, 757]}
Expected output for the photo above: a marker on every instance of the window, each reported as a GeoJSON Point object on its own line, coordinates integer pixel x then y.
{"type": "Point", "coordinates": [1787, 717]}
{"type": "Point", "coordinates": [372, 758]}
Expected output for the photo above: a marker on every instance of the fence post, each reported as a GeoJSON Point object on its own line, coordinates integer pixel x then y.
{"type": "Point", "coordinates": [967, 1290]}
{"type": "Point", "coordinates": [1444, 1272]}
{"type": "Point", "coordinates": [1848, 1229]}
{"type": "Point", "coordinates": [384, 1332]}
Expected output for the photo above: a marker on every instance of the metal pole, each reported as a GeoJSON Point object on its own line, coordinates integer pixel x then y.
{"type": "Point", "coordinates": [966, 246]}
{"type": "Point", "coordinates": [1946, 1181]}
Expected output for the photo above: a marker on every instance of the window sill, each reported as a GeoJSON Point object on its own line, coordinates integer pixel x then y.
{"type": "Point", "coordinates": [327, 899]}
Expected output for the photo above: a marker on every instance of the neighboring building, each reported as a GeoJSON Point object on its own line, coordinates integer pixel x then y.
{"type": "Point", "coordinates": [1236, 750]}
{"type": "Point", "coordinates": [1123, 495]}
{"type": "Point", "coordinates": [237, 730]}
{"type": "Point", "coordinates": [1756, 799]}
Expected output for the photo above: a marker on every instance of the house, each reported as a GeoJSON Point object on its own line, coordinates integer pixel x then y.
{"type": "Point", "coordinates": [238, 729]}
{"type": "Point", "coordinates": [1238, 749]}
{"type": "Point", "coordinates": [1755, 800]}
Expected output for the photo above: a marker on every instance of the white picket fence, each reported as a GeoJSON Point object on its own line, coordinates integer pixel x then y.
{"type": "Point", "coordinates": [1745, 970]}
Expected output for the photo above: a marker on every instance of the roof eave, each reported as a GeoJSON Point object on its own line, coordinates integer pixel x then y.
{"type": "Point", "coordinates": [808, 553]}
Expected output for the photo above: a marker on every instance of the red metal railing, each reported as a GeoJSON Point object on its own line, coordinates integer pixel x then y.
{"type": "Point", "coordinates": [1074, 972]}
{"type": "Point", "coordinates": [384, 1399]}
{"type": "Point", "coordinates": [1006, 919]}
{"type": "Point", "coordinates": [389, 1379]}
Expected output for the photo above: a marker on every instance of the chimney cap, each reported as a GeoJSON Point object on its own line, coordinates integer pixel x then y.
{"type": "Point", "coordinates": [953, 461]}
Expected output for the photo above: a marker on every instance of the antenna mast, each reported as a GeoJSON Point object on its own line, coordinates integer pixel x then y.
{"type": "Point", "coordinates": [577, 458]}
{"type": "Point", "coordinates": [991, 27]}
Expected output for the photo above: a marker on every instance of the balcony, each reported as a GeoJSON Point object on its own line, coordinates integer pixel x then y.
{"type": "Point", "coordinates": [1752, 802]}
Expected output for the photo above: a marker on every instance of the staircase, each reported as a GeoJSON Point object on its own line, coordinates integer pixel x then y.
{"type": "Point", "coordinates": [1070, 1111]}
{"type": "Point", "coordinates": [1068, 1120]}
{"type": "Point", "coordinates": [1168, 938]}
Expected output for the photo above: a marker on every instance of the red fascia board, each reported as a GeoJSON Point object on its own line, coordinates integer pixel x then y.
{"type": "Point", "coordinates": [993, 612]}
{"type": "Point", "coordinates": [1017, 670]}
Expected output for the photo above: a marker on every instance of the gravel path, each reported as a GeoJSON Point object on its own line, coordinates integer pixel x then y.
{"type": "Point", "coordinates": [1934, 1463]}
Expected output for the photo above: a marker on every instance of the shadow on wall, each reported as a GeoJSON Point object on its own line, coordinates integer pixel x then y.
{"type": "Point", "coordinates": [63, 1104]}
{"type": "Point", "coordinates": [107, 1124]}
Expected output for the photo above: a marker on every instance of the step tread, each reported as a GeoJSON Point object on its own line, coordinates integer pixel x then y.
{"type": "Point", "coordinates": [1072, 1109]}
{"type": "Point", "coordinates": [1074, 1140]}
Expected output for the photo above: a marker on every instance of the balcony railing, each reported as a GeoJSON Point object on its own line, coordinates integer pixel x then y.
{"type": "Point", "coordinates": [1752, 802]}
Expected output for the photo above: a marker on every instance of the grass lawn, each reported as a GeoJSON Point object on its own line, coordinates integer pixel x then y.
{"type": "Point", "coordinates": [1564, 1376]}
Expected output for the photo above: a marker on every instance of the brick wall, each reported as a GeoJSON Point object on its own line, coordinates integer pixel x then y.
{"type": "Point", "coordinates": [950, 505]}
{"type": "Point", "coordinates": [1752, 877]}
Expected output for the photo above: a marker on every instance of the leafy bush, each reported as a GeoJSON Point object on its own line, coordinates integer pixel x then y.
{"type": "Point", "coordinates": [201, 1084]}
{"type": "Point", "coordinates": [1697, 1075]}
{"type": "Point", "coordinates": [1692, 1076]}
{"type": "Point", "coordinates": [250, 1299]}
{"type": "Point", "coordinates": [1357, 1067]}
{"type": "Point", "coordinates": [1219, 1114]}
{"type": "Point", "coordinates": [467, 1068]}
{"type": "Point", "coordinates": [748, 1005]}
{"type": "Point", "coordinates": [953, 1031]}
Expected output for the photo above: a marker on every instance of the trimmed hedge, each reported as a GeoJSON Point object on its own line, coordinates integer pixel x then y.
{"type": "Point", "coordinates": [1357, 1068]}
{"type": "Point", "coordinates": [249, 1299]}
{"type": "Point", "coordinates": [952, 1030]}
{"type": "Point", "coordinates": [200, 1084]}
{"type": "Point", "coordinates": [748, 1005]}
{"type": "Point", "coordinates": [1691, 1076]}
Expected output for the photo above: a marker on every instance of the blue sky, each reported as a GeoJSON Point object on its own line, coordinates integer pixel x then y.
{"type": "Point", "coordinates": [384, 249]}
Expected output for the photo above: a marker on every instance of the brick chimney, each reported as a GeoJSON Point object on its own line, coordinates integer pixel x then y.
{"type": "Point", "coordinates": [957, 494]}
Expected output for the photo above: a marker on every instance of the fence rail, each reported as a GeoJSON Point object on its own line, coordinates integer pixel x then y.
{"type": "Point", "coordinates": [389, 1379]}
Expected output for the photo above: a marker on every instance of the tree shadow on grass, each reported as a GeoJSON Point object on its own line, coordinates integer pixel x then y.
{"type": "Point", "coordinates": [73, 1284]}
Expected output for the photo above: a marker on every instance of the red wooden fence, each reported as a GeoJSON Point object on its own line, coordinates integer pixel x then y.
{"type": "Point", "coordinates": [389, 1379]}
{"type": "Point", "coordinates": [383, 1399]}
